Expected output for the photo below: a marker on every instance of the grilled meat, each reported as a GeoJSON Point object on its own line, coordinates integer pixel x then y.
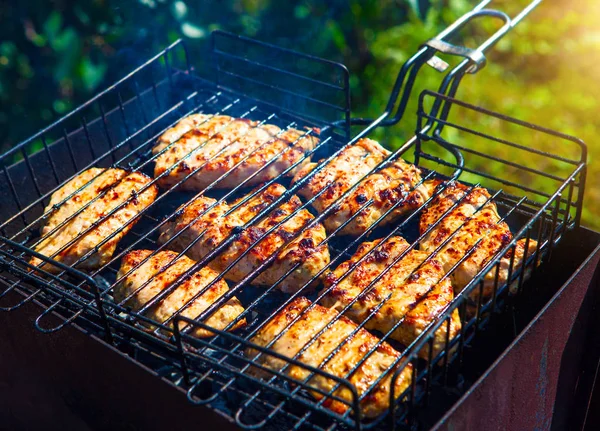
{"type": "Point", "coordinates": [411, 293]}
{"type": "Point", "coordinates": [103, 191]}
{"type": "Point", "coordinates": [215, 144]}
{"type": "Point", "coordinates": [352, 349]}
{"type": "Point", "coordinates": [473, 226]}
{"type": "Point", "coordinates": [207, 223]}
{"type": "Point", "coordinates": [397, 182]}
{"type": "Point", "coordinates": [150, 278]}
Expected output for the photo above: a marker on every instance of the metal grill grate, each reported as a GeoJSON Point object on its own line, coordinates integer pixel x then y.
{"type": "Point", "coordinates": [156, 96]}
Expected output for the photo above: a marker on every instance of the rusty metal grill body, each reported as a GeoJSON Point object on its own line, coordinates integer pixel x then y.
{"type": "Point", "coordinates": [276, 86]}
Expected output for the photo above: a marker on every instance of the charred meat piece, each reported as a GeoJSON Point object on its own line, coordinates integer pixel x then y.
{"type": "Point", "coordinates": [143, 281]}
{"type": "Point", "coordinates": [397, 183]}
{"type": "Point", "coordinates": [356, 345]}
{"type": "Point", "coordinates": [102, 191]}
{"type": "Point", "coordinates": [215, 144]}
{"type": "Point", "coordinates": [473, 227]}
{"type": "Point", "coordinates": [209, 224]}
{"type": "Point", "coordinates": [412, 293]}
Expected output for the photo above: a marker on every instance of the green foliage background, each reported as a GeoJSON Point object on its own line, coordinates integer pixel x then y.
{"type": "Point", "coordinates": [56, 54]}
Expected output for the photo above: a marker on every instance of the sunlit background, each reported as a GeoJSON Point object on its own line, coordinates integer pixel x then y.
{"type": "Point", "coordinates": [56, 54]}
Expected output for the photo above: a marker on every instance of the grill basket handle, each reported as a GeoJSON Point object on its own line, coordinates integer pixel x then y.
{"type": "Point", "coordinates": [48, 311]}
{"type": "Point", "coordinates": [475, 56]}
{"type": "Point", "coordinates": [474, 60]}
{"type": "Point", "coordinates": [18, 304]}
{"type": "Point", "coordinates": [25, 270]}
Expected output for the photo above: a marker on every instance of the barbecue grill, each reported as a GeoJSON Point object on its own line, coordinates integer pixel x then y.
{"type": "Point", "coordinates": [268, 84]}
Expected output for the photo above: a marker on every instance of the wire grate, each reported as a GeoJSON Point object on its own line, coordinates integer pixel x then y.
{"type": "Point", "coordinates": [154, 98]}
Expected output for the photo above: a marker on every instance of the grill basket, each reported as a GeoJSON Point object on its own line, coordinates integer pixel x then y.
{"type": "Point", "coordinates": [538, 193]}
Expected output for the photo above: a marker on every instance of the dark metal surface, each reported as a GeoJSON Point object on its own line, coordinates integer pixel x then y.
{"type": "Point", "coordinates": [538, 382]}
{"type": "Point", "coordinates": [589, 405]}
{"type": "Point", "coordinates": [71, 380]}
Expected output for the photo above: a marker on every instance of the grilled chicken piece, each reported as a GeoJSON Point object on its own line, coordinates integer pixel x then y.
{"type": "Point", "coordinates": [354, 348]}
{"type": "Point", "coordinates": [477, 224]}
{"type": "Point", "coordinates": [205, 221]}
{"type": "Point", "coordinates": [397, 182]}
{"type": "Point", "coordinates": [412, 292]}
{"type": "Point", "coordinates": [143, 281]}
{"type": "Point", "coordinates": [215, 144]}
{"type": "Point", "coordinates": [103, 191]}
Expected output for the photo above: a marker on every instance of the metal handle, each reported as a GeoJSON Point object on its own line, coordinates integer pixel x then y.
{"type": "Point", "coordinates": [476, 56]}
{"type": "Point", "coordinates": [20, 303]}
{"type": "Point", "coordinates": [32, 272]}
{"type": "Point", "coordinates": [38, 321]}
{"type": "Point", "coordinates": [253, 426]}
{"type": "Point", "coordinates": [452, 80]}
{"type": "Point", "coordinates": [440, 65]}
{"type": "Point", "coordinates": [474, 61]}
{"type": "Point", "coordinates": [192, 398]}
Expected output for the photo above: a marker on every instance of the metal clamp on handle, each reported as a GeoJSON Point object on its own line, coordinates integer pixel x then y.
{"type": "Point", "coordinates": [440, 65]}
{"type": "Point", "coordinates": [475, 61]}
{"type": "Point", "coordinates": [476, 56]}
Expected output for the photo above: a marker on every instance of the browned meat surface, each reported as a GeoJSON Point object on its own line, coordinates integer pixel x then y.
{"type": "Point", "coordinates": [112, 187]}
{"type": "Point", "coordinates": [215, 144]}
{"type": "Point", "coordinates": [354, 349]}
{"type": "Point", "coordinates": [158, 278]}
{"type": "Point", "coordinates": [397, 182]}
{"type": "Point", "coordinates": [474, 227]}
{"type": "Point", "coordinates": [212, 227]}
{"type": "Point", "coordinates": [412, 292]}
